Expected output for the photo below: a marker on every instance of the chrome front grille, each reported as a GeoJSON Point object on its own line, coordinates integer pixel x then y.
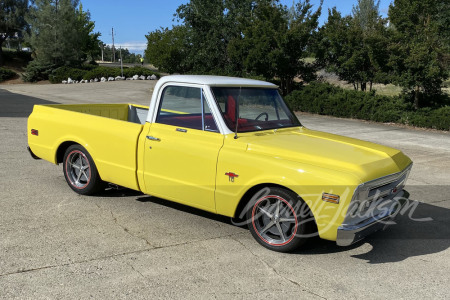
{"type": "Point", "coordinates": [371, 198]}
{"type": "Point", "coordinates": [381, 187]}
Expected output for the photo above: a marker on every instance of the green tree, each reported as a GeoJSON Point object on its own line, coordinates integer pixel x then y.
{"type": "Point", "coordinates": [60, 35]}
{"type": "Point", "coordinates": [167, 49]}
{"type": "Point", "coordinates": [420, 46]}
{"type": "Point", "coordinates": [210, 26]}
{"type": "Point", "coordinates": [241, 38]}
{"type": "Point", "coordinates": [87, 41]}
{"type": "Point", "coordinates": [54, 31]}
{"type": "Point", "coordinates": [365, 13]}
{"type": "Point", "coordinates": [12, 20]}
{"type": "Point", "coordinates": [355, 47]}
{"type": "Point", "coordinates": [275, 43]}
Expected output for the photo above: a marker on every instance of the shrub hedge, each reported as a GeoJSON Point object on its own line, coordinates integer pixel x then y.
{"type": "Point", "coordinates": [88, 72]}
{"type": "Point", "coordinates": [6, 74]}
{"type": "Point", "coordinates": [326, 99]}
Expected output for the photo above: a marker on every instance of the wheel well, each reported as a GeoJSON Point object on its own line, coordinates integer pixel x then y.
{"type": "Point", "coordinates": [248, 195]}
{"type": "Point", "coordinates": [62, 149]}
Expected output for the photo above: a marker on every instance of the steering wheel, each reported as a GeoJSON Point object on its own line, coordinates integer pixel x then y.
{"type": "Point", "coordinates": [263, 114]}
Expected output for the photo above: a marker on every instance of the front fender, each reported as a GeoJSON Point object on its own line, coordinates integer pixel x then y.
{"type": "Point", "coordinates": [307, 181]}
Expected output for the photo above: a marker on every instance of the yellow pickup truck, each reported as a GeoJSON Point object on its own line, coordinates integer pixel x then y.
{"type": "Point", "coordinates": [230, 146]}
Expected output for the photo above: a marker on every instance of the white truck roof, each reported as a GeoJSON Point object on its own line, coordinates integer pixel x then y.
{"type": "Point", "coordinates": [215, 81]}
{"type": "Point", "coordinates": [207, 80]}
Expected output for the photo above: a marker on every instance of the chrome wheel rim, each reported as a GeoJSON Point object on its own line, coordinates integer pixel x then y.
{"type": "Point", "coordinates": [78, 170]}
{"type": "Point", "coordinates": [274, 220]}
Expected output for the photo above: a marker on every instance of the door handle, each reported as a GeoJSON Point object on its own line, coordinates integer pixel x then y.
{"type": "Point", "coordinates": [152, 138]}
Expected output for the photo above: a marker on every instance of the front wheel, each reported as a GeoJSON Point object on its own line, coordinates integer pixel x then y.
{"type": "Point", "coordinates": [80, 171]}
{"type": "Point", "coordinates": [279, 220]}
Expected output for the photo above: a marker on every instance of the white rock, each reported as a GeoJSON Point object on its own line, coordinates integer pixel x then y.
{"type": "Point", "coordinates": [149, 77]}
{"type": "Point", "coordinates": [110, 78]}
{"type": "Point", "coordinates": [77, 81]}
{"type": "Point", "coordinates": [136, 77]}
{"type": "Point", "coordinates": [129, 78]}
{"type": "Point", "coordinates": [95, 79]}
{"type": "Point", "coordinates": [103, 79]}
{"type": "Point", "coordinates": [142, 77]}
{"type": "Point", "coordinates": [120, 78]}
{"type": "Point", "coordinates": [92, 80]}
{"type": "Point", "coordinates": [69, 80]}
{"type": "Point", "coordinates": [64, 82]}
{"type": "Point", "coordinates": [153, 77]}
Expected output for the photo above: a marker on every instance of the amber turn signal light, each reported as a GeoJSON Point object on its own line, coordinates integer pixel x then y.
{"type": "Point", "coordinates": [330, 198]}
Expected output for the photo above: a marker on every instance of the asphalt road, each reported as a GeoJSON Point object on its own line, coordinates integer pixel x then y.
{"type": "Point", "coordinates": [55, 244]}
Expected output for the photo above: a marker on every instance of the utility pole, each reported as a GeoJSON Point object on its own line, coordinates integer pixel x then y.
{"type": "Point", "coordinates": [121, 61]}
{"type": "Point", "coordinates": [113, 50]}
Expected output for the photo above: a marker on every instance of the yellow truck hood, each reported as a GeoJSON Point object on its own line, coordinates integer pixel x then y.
{"type": "Point", "coordinates": [365, 160]}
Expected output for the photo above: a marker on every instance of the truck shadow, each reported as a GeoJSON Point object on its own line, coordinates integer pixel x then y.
{"type": "Point", "coordinates": [410, 237]}
{"type": "Point", "coordinates": [413, 235]}
{"type": "Point", "coordinates": [18, 106]}
{"type": "Point", "coordinates": [185, 208]}
{"type": "Point", "coordinates": [116, 193]}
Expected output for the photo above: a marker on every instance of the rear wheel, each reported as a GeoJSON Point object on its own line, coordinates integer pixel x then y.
{"type": "Point", "coordinates": [277, 219]}
{"type": "Point", "coordinates": [80, 171]}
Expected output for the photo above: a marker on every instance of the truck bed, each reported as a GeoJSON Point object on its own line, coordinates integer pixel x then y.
{"type": "Point", "coordinates": [109, 132]}
{"type": "Point", "coordinates": [124, 112]}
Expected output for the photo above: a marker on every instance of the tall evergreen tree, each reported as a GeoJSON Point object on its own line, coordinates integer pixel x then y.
{"type": "Point", "coordinates": [87, 41]}
{"type": "Point", "coordinates": [355, 47]}
{"type": "Point", "coordinates": [365, 13]}
{"type": "Point", "coordinates": [12, 20]}
{"type": "Point", "coordinates": [54, 31]}
{"type": "Point", "coordinates": [61, 34]}
{"type": "Point", "coordinates": [420, 47]}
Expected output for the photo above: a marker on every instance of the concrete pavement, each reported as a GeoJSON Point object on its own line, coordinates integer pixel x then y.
{"type": "Point", "coordinates": [122, 244]}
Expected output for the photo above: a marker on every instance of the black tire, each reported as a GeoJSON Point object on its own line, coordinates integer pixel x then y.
{"type": "Point", "coordinates": [279, 219]}
{"type": "Point", "coordinates": [80, 171]}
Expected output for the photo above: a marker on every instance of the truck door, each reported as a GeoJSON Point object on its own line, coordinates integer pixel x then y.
{"type": "Point", "coordinates": [181, 149]}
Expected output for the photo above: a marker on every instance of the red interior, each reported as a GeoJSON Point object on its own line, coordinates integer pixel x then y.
{"type": "Point", "coordinates": [188, 121]}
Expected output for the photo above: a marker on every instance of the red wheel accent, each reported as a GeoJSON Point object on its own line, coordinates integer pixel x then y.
{"type": "Point", "coordinates": [293, 213]}
{"type": "Point", "coordinates": [69, 176]}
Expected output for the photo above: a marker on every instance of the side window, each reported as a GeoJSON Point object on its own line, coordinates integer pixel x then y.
{"type": "Point", "coordinates": [182, 106]}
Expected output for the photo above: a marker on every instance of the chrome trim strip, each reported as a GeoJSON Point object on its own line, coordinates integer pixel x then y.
{"type": "Point", "coordinates": [152, 138]}
{"type": "Point", "coordinates": [387, 179]}
{"type": "Point", "coordinates": [369, 185]}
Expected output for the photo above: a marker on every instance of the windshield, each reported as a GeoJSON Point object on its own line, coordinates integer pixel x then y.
{"type": "Point", "coordinates": [259, 109]}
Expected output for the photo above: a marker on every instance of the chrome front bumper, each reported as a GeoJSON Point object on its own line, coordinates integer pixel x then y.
{"type": "Point", "coordinates": [350, 234]}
